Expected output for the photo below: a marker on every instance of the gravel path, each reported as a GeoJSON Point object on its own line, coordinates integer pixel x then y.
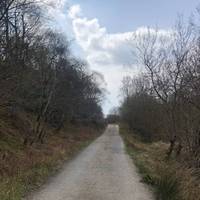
{"type": "Point", "coordinates": [103, 171]}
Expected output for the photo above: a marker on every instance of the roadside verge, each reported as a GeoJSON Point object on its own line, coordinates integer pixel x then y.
{"type": "Point", "coordinates": [25, 169]}
{"type": "Point", "coordinates": [170, 179]}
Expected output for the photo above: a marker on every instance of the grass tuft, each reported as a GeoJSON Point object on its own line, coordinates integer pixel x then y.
{"type": "Point", "coordinates": [167, 187]}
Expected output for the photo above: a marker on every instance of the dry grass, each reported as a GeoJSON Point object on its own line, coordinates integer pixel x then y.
{"type": "Point", "coordinates": [170, 178]}
{"type": "Point", "coordinates": [24, 168]}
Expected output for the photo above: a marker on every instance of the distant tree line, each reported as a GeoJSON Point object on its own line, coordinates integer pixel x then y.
{"type": "Point", "coordinates": [113, 116]}
{"type": "Point", "coordinates": [163, 102]}
{"type": "Point", "coordinates": [39, 75]}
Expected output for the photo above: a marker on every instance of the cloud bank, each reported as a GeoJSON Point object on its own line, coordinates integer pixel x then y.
{"type": "Point", "coordinates": [107, 53]}
{"type": "Point", "coordinates": [100, 47]}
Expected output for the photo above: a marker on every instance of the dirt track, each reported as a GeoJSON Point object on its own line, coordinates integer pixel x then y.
{"type": "Point", "coordinates": [103, 171]}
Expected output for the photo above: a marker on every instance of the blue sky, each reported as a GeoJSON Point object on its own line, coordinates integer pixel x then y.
{"type": "Point", "coordinates": [102, 29]}
{"type": "Point", "coordinates": [126, 15]}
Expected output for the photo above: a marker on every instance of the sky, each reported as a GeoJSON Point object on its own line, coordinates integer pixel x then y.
{"type": "Point", "coordinates": [101, 31]}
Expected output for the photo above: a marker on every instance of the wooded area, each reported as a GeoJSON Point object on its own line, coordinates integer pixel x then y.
{"type": "Point", "coordinates": [39, 76]}
{"type": "Point", "coordinates": [162, 102]}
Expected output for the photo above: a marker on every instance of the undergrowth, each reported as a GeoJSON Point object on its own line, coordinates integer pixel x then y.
{"type": "Point", "coordinates": [23, 169]}
{"type": "Point", "coordinates": [170, 179]}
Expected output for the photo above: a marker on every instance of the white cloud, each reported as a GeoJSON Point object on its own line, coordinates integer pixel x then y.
{"type": "Point", "coordinates": [56, 4]}
{"type": "Point", "coordinates": [99, 46]}
{"type": "Point", "coordinates": [74, 11]}
{"type": "Point", "coordinates": [56, 13]}
{"type": "Point", "coordinates": [105, 52]}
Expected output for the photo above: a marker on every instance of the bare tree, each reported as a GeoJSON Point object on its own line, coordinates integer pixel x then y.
{"type": "Point", "coordinates": [164, 57]}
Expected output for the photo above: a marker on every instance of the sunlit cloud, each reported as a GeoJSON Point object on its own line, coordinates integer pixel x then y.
{"type": "Point", "coordinates": [75, 11]}
{"type": "Point", "coordinates": [105, 52]}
